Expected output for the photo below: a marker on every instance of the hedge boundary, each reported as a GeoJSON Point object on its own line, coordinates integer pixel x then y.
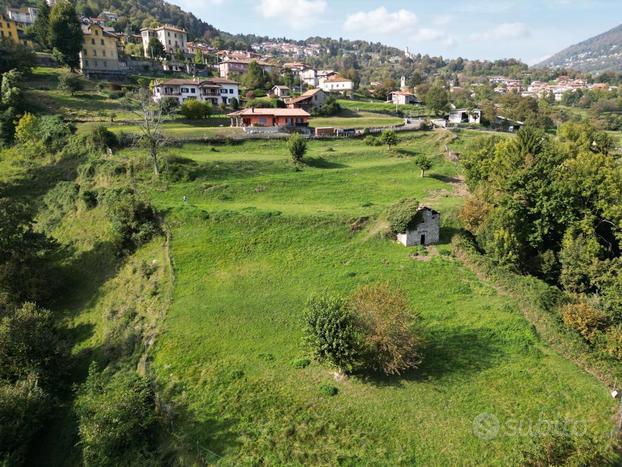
{"type": "Point", "coordinates": [539, 303]}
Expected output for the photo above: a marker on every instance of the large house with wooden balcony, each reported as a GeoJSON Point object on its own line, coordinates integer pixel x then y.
{"type": "Point", "coordinates": [283, 118]}
{"type": "Point", "coordinates": [213, 90]}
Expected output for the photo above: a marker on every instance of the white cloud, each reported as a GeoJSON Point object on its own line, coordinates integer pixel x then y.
{"type": "Point", "coordinates": [442, 20]}
{"type": "Point", "coordinates": [433, 35]}
{"type": "Point", "coordinates": [298, 14]}
{"type": "Point", "coordinates": [381, 21]}
{"type": "Point", "coordinates": [504, 31]}
{"type": "Point", "coordinates": [485, 6]}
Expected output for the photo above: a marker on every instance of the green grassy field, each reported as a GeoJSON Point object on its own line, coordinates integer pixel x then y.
{"type": "Point", "coordinates": [210, 128]}
{"type": "Point", "coordinates": [218, 127]}
{"type": "Point", "coordinates": [378, 106]}
{"type": "Point", "coordinates": [43, 96]}
{"type": "Point", "coordinates": [357, 120]}
{"type": "Point", "coordinates": [257, 238]}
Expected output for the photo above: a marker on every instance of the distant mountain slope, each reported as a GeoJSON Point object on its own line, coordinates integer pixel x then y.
{"type": "Point", "coordinates": [598, 54]}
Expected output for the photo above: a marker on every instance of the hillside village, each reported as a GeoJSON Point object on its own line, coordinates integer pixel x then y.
{"type": "Point", "coordinates": [166, 49]}
{"type": "Point", "coordinates": [227, 249]}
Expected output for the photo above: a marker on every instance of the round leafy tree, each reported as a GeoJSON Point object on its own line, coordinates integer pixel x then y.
{"type": "Point", "coordinates": [297, 147]}
{"type": "Point", "coordinates": [331, 332]}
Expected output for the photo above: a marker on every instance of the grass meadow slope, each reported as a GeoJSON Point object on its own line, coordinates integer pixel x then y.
{"type": "Point", "coordinates": [258, 237]}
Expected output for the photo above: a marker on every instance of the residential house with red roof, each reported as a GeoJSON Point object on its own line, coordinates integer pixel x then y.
{"type": "Point", "coordinates": [283, 118]}
{"type": "Point", "coordinates": [309, 100]}
{"type": "Point", "coordinates": [337, 84]}
{"type": "Point", "coordinates": [213, 90]}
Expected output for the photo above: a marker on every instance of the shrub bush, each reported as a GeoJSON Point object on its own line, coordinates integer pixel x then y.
{"type": "Point", "coordinates": [328, 390]}
{"type": "Point", "coordinates": [297, 147]}
{"type": "Point", "coordinates": [613, 342]}
{"type": "Point", "coordinates": [53, 132]}
{"type": "Point", "coordinates": [30, 343]}
{"type": "Point", "coordinates": [389, 137]}
{"type": "Point", "coordinates": [7, 126]}
{"type": "Point", "coordinates": [193, 109]}
{"type": "Point", "coordinates": [100, 138]}
{"type": "Point", "coordinates": [584, 319]}
{"type": "Point", "coordinates": [23, 406]}
{"type": "Point", "coordinates": [169, 105]}
{"type": "Point", "coordinates": [70, 82]}
{"type": "Point", "coordinates": [328, 109]}
{"type": "Point", "coordinates": [24, 257]}
{"type": "Point", "coordinates": [134, 219]}
{"type": "Point", "coordinates": [116, 418]}
{"type": "Point", "coordinates": [372, 141]}
{"type": "Point", "coordinates": [402, 214]}
{"type": "Point", "coordinates": [331, 332]}
{"type": "Point", "coordinates": [59, 201]}
{"type": "Point", "coordinates": [26, 130]}
{"type": "Point", "coordinates": [301, 363]}
{"type": "Point", "coordinates": [392, 340]}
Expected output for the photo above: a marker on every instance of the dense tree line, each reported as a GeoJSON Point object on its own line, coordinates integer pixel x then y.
{"type": "Point", "coordinates": [35, 363]}
{"type": "Point", "coordinates": [551, 206]}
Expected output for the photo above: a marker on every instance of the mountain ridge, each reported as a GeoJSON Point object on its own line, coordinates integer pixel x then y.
{"type": "Point", "coordinates": [597, 54]}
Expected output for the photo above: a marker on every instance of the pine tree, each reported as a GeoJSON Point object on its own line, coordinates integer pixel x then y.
{"type": "Point", "coordinates": [41, 28]}
{"type": "Point", "coordinates": [66, 36]}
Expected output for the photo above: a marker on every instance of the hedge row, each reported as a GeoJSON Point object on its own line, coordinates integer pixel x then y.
{"type": "Point", "coordinates": [540, 303]}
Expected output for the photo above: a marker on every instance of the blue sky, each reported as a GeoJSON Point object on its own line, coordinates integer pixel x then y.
{"type": "Point", "coordinates": [529, 29]}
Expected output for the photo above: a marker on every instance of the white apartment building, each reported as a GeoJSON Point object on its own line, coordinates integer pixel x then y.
{"type": "Point", "coordinates": [337, 84]}
{"type": "Point", "coordinates": [213, 90]}
{"type": "Point", "coordinates": [171, 37]}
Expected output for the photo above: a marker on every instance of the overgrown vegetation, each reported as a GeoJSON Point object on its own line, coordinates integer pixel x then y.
{"type": "Point", "coordinates": [549, 206]}
{"type": "Point", "coordinates": [403, 214]}
{"type": "Point", "coordinates": [117, 418]}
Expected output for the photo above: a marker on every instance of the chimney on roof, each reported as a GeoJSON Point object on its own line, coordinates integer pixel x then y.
{"type": "Point", "coordinates": [253, 110]}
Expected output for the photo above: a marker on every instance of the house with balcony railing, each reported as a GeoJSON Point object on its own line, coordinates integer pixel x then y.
{"type": "Point", "coordinates": [213, 90]}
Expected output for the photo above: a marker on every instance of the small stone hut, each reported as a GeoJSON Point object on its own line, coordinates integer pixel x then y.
{"type": "Point", "coordinates": [424, 229]}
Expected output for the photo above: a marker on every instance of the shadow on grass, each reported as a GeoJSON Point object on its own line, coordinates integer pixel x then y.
{"type": "Point", "coordinates": [182, 169]}
{"type": "Point", "coordinates": [445, 178]}
{"type": "Point", "coordinates": [447, 233]}
{"type": "Point", "coordinates": [321, 163]}
{"type": "Point", "coordinates": [84, 274]}
{"type": "Point", "coordinates": [401, 152]}
{"type": "Point", "coordinates": [37, 181]}
{"type": "Point", "coordinates": [346, 113]}
{"type": "Point", "coordinates": [455, 352]}
{"type": "Point", "coordinates": [203, 441]}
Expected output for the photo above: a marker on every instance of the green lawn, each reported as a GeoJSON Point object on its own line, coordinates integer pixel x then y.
{"type": "Point", "coordinates": [378, 106]}
{"type": "Point", "coordinates": [357, 120]}
{"type": "Point", "coordinates": [211, 128]}
{"type": "Point", "coordinates": [258, 238]}
{"type": "Point", "coordinates": [218, 126]}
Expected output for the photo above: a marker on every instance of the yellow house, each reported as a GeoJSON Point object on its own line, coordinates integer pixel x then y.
{"type": "Point", "coordinates": [99, 51]}
{"type": "Point", "coordinates": [8, 30]}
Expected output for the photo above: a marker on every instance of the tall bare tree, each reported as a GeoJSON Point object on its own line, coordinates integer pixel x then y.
{"type": "Point", "coordinates": [151, 114]}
